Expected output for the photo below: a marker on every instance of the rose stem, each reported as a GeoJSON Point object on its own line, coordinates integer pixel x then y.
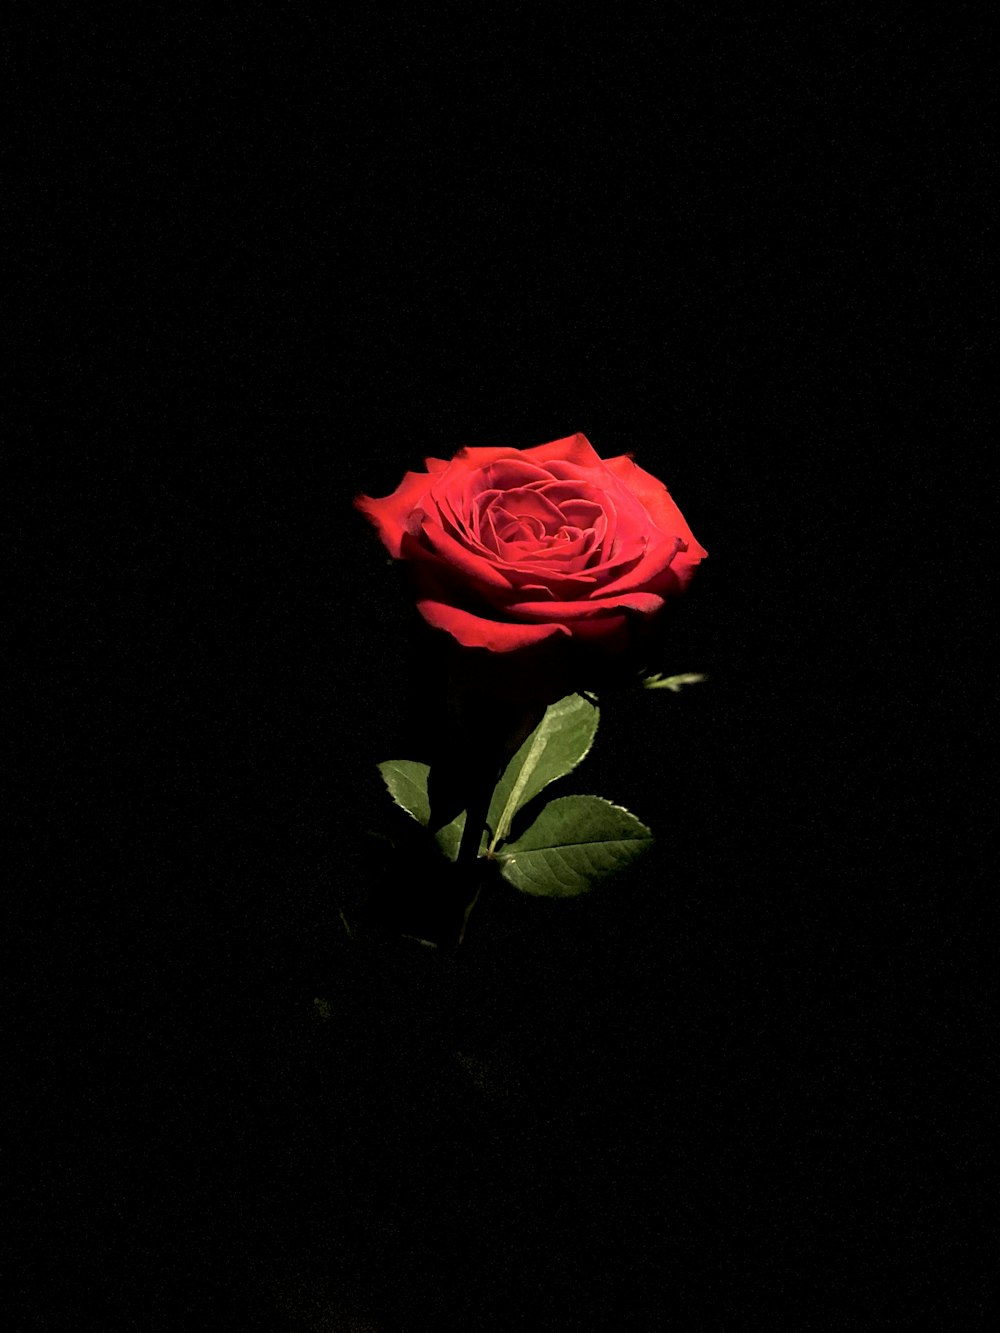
{"type": "Point", "coordinates": [467, 860]}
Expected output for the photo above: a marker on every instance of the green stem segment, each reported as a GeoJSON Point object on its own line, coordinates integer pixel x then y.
{"type": "Point", "coordinates": [470, 877]}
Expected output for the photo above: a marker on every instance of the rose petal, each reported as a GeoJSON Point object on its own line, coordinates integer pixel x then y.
{"type": "Point", "coordinates": [518, 536]}
{"type": "Point", "coordinates": [432, 539]}
{"type": "Point", "coordinates": [566, 552]}
{"type": "Point", "coordinates": [472, 457]}
{"type": "Point", "coordinates": [453, 512]}
{"type": "Point", "coordinates": [474, 631]}
{"type": "Point", "coordinates": [645, 602]}
{"type": "Point", "coordinates": [523, 502]}
{"type": "Point", "coordinates": [473, 475]}
{"type": "Point", "coordinates": [582, 510]}
{"type": "Point", "coordinates": [657, 502]}
{"type": "Point", "coordinates": [643, 573]}
{"type": "Point", "coordinates": [390, 514]}
{"type": "Point", "coordinates": [575, 449]}
{"type": "Point", "coordinates": [506, 474]}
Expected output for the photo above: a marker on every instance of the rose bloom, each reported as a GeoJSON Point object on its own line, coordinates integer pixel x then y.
{"type": "Point", "coordinates": [551, 556]}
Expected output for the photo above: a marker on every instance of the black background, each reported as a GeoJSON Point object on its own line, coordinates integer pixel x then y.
{"type": "Point", "coordinates": [276, 259]}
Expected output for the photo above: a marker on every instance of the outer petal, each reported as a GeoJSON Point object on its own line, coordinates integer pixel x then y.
{"type": "Point", "coordinates": [474, 632]}
{"type": "Point", "coordinates": [390, 514]}
{"type": "Point", "coordinates": [657, 501]}
{"type": "Point", "coordinates": [474, 456]}
{"type": "Point", "coordinates": [570, 449]}
{"type": "Point", "coordinates": [644, 573]}
{"type": "Point", "coordinates": [645, 602]}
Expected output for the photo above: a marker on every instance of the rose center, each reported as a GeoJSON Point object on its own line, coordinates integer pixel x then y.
{"type": "Point", "coordinates": [554, 523]}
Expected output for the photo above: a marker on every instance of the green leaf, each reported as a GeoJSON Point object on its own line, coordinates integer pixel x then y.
{"type": "Point", "coordinates": [449, 838]}
{"type": "Point", "coordinates": [555, 747]}
{"type": "Point", "coordinates": [407, 783]}
{"type": "Point", "coordinates": [672, 683]}
{"type": "Point", "coordinates": [574, 841]}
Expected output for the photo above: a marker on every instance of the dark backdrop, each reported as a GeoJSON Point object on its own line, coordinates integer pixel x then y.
{"type": "Point", "coordinates": [278, 261]}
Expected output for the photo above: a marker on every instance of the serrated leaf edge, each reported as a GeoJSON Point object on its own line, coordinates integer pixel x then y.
{"type": "Point", "coordinates": [512, 846]}
{"type": "Point", "coordinates": [381, 766]}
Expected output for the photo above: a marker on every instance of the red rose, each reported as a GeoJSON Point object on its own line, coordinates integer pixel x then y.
{"type": "Point", "coordinates": [513, 548]}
